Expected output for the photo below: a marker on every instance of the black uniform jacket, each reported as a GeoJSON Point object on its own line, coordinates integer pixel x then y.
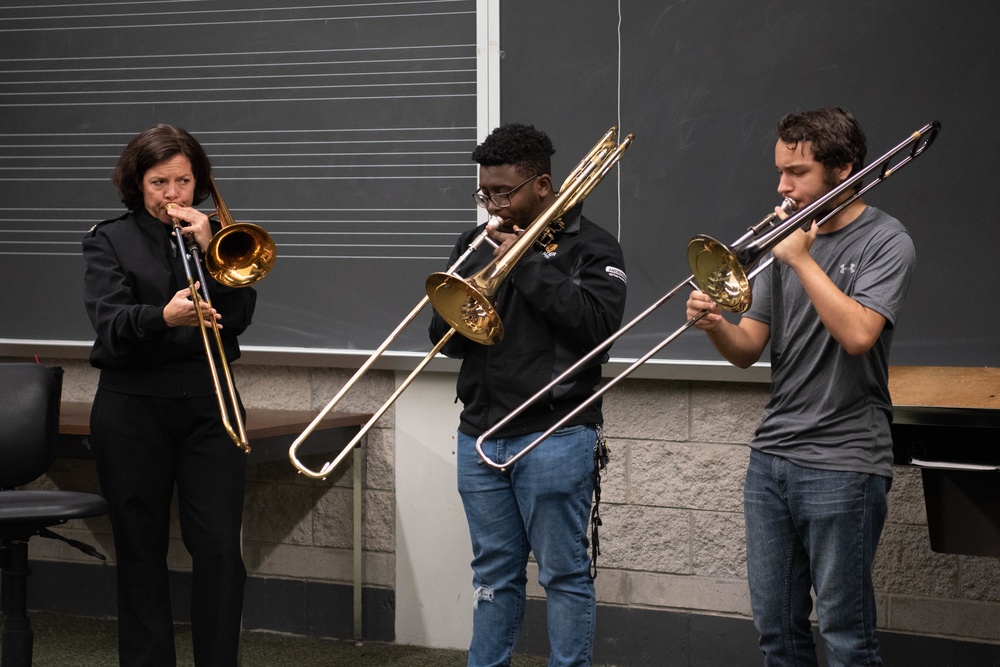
{"type": "Point", "coordinates": [133, 270]}
{"type": "Point", "coordinates": [556, 305]}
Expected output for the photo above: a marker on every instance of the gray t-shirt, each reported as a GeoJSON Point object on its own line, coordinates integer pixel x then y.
{"type": "Point", "coordinates": [828, 409]}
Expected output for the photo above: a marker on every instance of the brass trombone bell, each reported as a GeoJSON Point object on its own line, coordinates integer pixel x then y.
{"type": "Point", "coordinates": [722, 276]}
{"type": "Point", "coordinates": [718, 271]}
{"type": "Point", "coordinates": [469, 309]}
{"type": "Point", "coordinates": [240, 253]}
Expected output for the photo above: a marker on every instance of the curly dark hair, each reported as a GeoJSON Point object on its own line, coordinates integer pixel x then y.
{"type": "Point", "coordinates": [528, 149]}
{"type": "Point", "coordinates": [835, 135]}
{"type": "Point", "coordinates": [151, 147]}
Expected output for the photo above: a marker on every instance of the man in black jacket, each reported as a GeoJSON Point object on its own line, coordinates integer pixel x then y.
{"type": "Point", "coordinates": [558, 303]}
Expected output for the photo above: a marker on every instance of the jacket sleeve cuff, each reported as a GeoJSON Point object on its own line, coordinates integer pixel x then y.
{"type": "Point", "coordinates": [151, 321]}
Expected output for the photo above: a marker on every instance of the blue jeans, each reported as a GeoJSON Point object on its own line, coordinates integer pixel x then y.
{"type": "Point", "coordinates": [542, 507]}
{"type": "Point", "coordinates": [809, 528]}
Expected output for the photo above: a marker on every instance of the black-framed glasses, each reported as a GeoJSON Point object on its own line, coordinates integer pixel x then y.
{"type": "Point", "coordinates": [500, 199]}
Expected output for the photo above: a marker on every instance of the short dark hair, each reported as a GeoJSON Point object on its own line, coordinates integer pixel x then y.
{"type": "Point", "coordinates": [528, 149]}
{"type": "Point", "coordinates": [151, 147]}
{"type": "Point", "coordinates": [835, 135]}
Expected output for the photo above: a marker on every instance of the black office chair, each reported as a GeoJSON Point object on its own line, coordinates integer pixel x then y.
{"type": "Point", "coordinates": [29, 427]}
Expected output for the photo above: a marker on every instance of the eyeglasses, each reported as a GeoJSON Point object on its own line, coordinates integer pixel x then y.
{"type": "Point", "coordinates": [500, 199]}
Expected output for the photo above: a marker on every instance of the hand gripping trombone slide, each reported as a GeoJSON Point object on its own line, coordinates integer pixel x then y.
{"type": "Point", "coordinates": [723, 273]}
{"type": "Point", "coordinates": [465, 304]}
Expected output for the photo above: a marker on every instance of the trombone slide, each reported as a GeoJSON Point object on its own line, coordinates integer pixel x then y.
{"type": "Point", "coordinates": [237, 434]}
{"type": "Point", "coordinates": [237, 255]}
{"type": "Point", "coordinates": [328, 467]}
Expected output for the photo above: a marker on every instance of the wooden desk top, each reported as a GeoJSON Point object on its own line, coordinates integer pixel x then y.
{"type": "Point", "coordinates": [270, 432]}
{"type": "Point", "coordinates": [945, 386]}
{"type": "Point", "coordinates": [74, 419]}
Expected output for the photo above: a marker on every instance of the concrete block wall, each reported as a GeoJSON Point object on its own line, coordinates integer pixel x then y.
{"type": "Point", "coordinates": [673, 533]}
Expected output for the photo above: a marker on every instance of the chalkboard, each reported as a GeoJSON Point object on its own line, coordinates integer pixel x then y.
{"type": "Point", "coordinates": [703, 84]}
{"type": "Point", "coordinates": [345, 130]}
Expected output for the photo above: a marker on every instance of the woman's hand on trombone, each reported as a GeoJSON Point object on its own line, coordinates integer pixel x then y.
{"type": "Point", "coordinates": [194, 224]}
{"type": "Point", "coordinates": [180, 311]}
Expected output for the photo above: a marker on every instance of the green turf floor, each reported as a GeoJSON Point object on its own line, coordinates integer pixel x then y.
{"type": "Point", "coordinates": [69, 641]}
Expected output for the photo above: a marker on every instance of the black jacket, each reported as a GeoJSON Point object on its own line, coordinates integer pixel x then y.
{"type": "Point", "coordinates": [133, 270]}
{"type": "Point", "coordinates": [556, 306]}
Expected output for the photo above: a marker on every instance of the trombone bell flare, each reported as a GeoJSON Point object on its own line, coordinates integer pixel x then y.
{"type": "Point", "coordinates": [719, 274]}
{"type": "Point", "coordinates": [240, 254]}
{"type": "Point", "coordinates": [719, 271]}
{"type": "Point", "coordinates": [465, 309]}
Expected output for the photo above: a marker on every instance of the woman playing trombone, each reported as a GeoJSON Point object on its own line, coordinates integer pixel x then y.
{"type": "Point", "coordinates": [156, 421]}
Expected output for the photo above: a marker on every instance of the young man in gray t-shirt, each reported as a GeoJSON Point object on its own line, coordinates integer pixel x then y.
{"type": "Point", "coordinates": [821, 459]}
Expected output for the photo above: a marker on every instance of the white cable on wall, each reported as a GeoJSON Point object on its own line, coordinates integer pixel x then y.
{"type": "Point", "coordinates": [619, 113]}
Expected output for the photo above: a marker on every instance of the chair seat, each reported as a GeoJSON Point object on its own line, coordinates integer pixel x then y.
{"type": "Point", "coordinates": [47, 508]}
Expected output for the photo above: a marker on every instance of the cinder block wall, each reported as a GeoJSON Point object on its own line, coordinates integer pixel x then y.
{"type": "Point", "coordinates": [674, 535]}
{"type": "Point", "coordinates": [673, 530]}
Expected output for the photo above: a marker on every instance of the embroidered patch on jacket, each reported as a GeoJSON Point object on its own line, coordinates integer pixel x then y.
{"type": "Point", "coordinates": [550, 250]}
{"type": "Point", "coordinates": [615, 272]}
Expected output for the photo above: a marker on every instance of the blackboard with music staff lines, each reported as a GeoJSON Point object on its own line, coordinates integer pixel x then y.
{"type": "Point", "coordinates": [343, 129]}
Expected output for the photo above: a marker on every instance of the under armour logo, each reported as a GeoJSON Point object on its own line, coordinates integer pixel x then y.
{"type": "Point", "coordinates": [844, 268]}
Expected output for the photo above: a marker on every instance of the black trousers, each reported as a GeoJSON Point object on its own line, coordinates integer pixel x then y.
{"type": "Point", "coordinates": [143, 447]}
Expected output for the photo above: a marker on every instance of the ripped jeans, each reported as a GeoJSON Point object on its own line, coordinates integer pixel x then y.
{"type": "Point", "coordinates": [544, 508]}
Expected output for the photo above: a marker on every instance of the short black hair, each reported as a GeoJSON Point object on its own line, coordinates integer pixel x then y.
{"type": "Point", "coordinates": [528, 149]}
{"type": "Point", "coordinates": [151, 147]}
{"type": "Point", "coordinates": [835, 135]}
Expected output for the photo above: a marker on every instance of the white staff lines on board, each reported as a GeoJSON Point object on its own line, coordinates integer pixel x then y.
{"type": "Point", "coordinates": [228, 16]}
{"type": "Point", "coordinates": [151, 60]}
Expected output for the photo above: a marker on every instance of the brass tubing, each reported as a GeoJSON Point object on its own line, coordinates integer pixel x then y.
{"type": "Point", "coordinates": [237, 434]}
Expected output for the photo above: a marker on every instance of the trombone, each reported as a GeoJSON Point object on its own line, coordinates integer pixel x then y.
{"type": "Point", "coordinates": [470, 311]}
{"type": "Point", "coordinates": [723, 273]}
{"type": "Point", "coordinates": [238, 255]}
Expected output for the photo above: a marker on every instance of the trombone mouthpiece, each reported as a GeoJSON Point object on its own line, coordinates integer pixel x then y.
{"type": "Point", "coordinates": [494, 222]}
{"type": "Point", "coordinates": [787, 205]}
